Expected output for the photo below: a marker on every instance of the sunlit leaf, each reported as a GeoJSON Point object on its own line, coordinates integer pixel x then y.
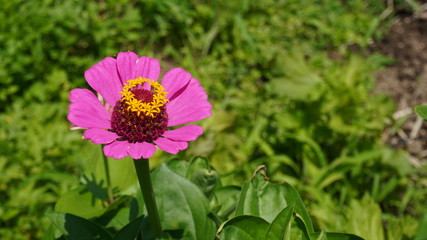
{"type": "Point", "coordinates": [421, 111]}
{"type": "Point", "coordinates": [80, 202]}
{"type": "Point", "coordinates": [422, 229]}
{"type": "Point", "coordinates": [182, 205]}
{"type": "Point", "coordinates": [258, 195]}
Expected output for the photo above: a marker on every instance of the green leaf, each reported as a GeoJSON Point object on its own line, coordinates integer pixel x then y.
{"type": "Point", "coordinates": [119, 219]}
{"type": "Point", "coordinates": [134, 209]}
{"type": "Point", "coordinates": [421, 111]}
{"type": "Point", "coordinates": [225, 200]}
{"type": "Point", "coordinates": [293, 197]}
{"type": "Point", "coordinates": [366, 216]}
{"type": "Point", "coordinates": [179, 166]}
{"type": "Point", "coordinates": [256, 198]}
{"type": "Point", "coordinates": [244, 228]}
{"type": "Point", "coordinates": [116, 214]}
{"type": "Point", "coordinates": [322, 236]}
{"type": "Point", "coordinates": [422, 229]}
{"type": "Point", "coordinates": [199, 171]}
{"type": "Point", "coordinates": [80, 202]}
{"type": "Point", "coordinates": [76, 228]}
{"type": "Point", "coordinates": [131, 230]}
{"type": "Point", "coordinates": [335, 236]}
{"type": "Point", "coordinates": [203, 175]}
{"type": "Point", "coordinates": [297, 79]}
{"type": "Point", "coordinates": [281, 224]}
{"type": "Point", "coordinates": [182, 205]}
{"type": "Point", "coordinates": [258, 194]}
{"type": "Point", "coordinates": [122, 180]}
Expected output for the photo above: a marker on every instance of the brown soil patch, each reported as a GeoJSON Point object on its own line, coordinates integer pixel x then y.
{"type": "Point", "coordinates": [406, 82]}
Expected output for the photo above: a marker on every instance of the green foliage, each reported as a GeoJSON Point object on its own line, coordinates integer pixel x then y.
{"type": "Point", "coordinates": [67, 223]}
{"type": "Point", "coordinates": [421, 111]}
{"type": "Point", "coordinates": [182, 205]}
{"type": "Point", "coordinates": [185, 211]}
{"type": "Point", "coordinates": [291, 89]}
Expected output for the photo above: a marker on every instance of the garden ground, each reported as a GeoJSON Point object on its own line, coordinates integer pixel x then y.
{"type": "Point", "coordinates": [405, 81]}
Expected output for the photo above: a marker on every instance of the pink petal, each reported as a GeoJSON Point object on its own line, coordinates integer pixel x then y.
{"type": "Point", "coordinates": [185, 133]}
{"type": "Point", "coordinates": [103, 78]}
{"type": "Point", "coordinates": [146, 67]}
{"type": "Point", "coordinates": [117, 149]}
{"type": "Point", "coordinates": [175, 82]}
{"type": "Point", "coordinates": [190, 106]}
{"type": "Point", "coordinates": [126, 63]}
{"type": "Point", "coordinates": [141, 150]}
{"type": "Point", "coordinates": [170, 146]}
{"type": "Point", "coordinates": [100, 136]}
{"type": "Point", "coordinates": [87, 111]}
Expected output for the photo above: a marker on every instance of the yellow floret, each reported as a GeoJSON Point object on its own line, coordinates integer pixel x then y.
{"type": "Point", "coordinates": [135, 105]}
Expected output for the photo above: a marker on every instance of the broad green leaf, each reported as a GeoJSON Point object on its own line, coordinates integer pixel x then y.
{"type": "Point", "coordinates": [203, 175]}
{"type": "Point", "coordinates": [199, 171]}
{"type": "Point", "coordinates": [322, 236]}
{"type": "Point", "coordinates": [299, 229]}
{"type": "Point", "coordinates": [122, 172]}
{"type": "Point", "coordinates": [334, 236]}
{"type": "Point", "coordinates": [422, 229]}
{"type": "Point", "coordinates": [257, 198]}
{"type": "Point", "coordinates": [244, 228]}
{"type": "Point", "coordinates": [119, 219]}
{"type": "Point", "coordinates": [80, 202]}
{"type": "Point", "coordinates": [421, 111]}
{"type": "Point", "coordinates": [51, 233]}
{"type": "Point", "coordinates": [116, 214]}
{"type": "Point", "coordinates": [293, 197]}
{"type": "Point", "coordinates": [225, 200]}
{"type": "Point", "coordinates": [134, 209]}
{"type": "Point", "coordinates": [366, 218]}
{"type": "Point", "coordinates": [131, 230]}
{"type": "Point", "coordinates": [258, 195]}
{"type": "Point", "coordinates": [196, 164]}
{"type": "Point", "coordinates": [179, 166]}
{"type": "Point", "coordinates": [76, 228]}
{"type": "Point", "coordinates": [280, 226]}
{"type": "Point", "coordinates": [182, 205]}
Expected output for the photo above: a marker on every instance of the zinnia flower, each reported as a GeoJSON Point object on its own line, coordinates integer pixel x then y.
{"type": "Point", "coordinates": [138, 110]}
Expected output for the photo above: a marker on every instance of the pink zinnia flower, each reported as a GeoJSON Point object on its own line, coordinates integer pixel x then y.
{"type": "Point", "coordinates": [138, 109]}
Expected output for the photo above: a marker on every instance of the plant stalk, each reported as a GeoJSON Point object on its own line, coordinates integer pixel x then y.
{"type": "Point", "coordinates": [142, 168]}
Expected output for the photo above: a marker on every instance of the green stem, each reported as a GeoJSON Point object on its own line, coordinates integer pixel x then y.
{"type": "Point", "coordinates": [142, 168]}
{"type": "Point", "coordinates": [108, 178]}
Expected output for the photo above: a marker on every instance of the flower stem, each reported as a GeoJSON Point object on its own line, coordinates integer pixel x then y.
{"type": "Point", "coordinates": [108, 178]}
{"type": "Point", "coordinates": [142, 168]}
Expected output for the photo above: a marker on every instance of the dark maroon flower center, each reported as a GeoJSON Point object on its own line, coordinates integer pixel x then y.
{"type": "Point", "coordinates": [133, 128]}
{"type": "Point", "coordinates": [143, 95]}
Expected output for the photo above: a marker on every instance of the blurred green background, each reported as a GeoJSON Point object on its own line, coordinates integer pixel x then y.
{"type": "Point", "coordinates": [280, 98]}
